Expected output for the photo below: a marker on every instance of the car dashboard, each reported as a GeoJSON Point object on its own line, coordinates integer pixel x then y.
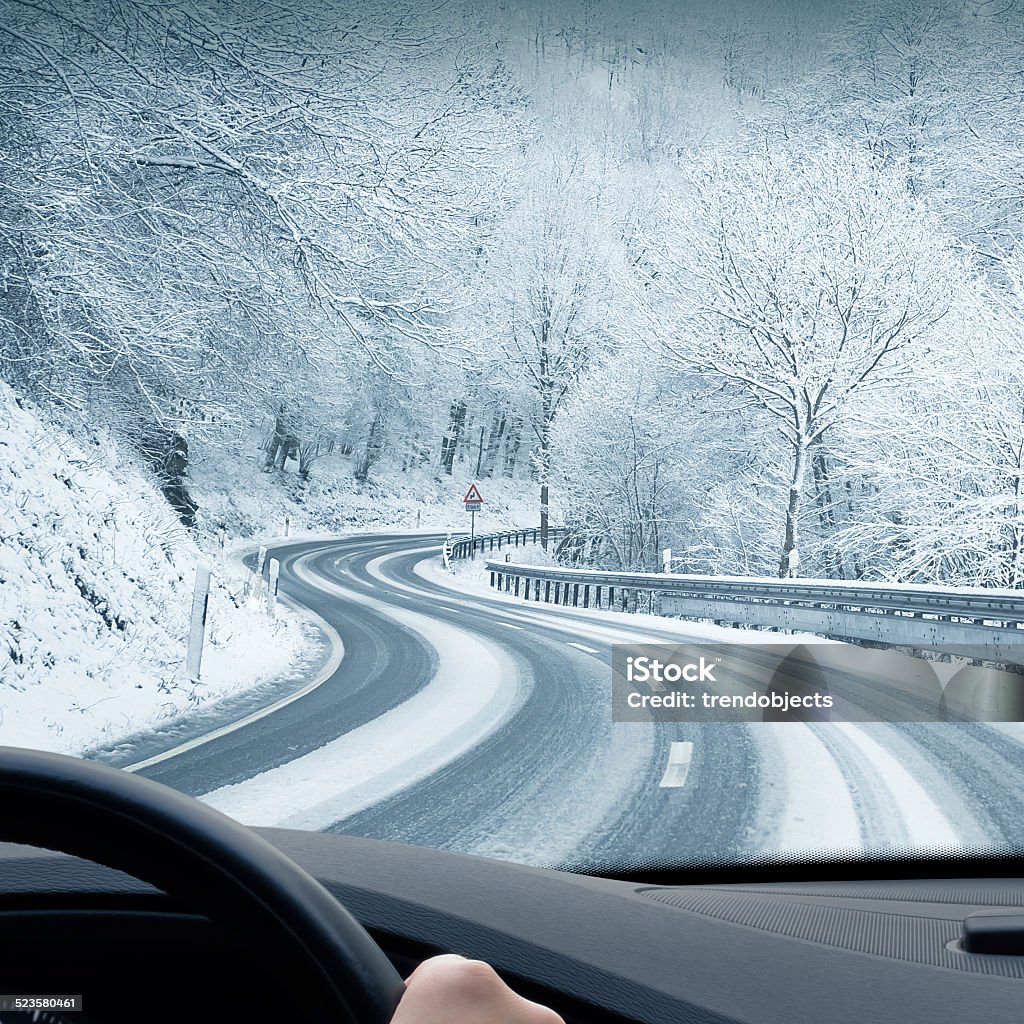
{"type": "Point", "coordinates": [594, 949]}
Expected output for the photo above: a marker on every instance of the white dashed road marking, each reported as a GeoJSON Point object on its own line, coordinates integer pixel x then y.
{"type": "Point", "coordinates": [678, 768]}
{"type": "Point", "coordinates": [583, 647]}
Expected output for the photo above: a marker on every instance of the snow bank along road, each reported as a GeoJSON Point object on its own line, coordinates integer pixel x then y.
{"type": "Point", "coordinates": [470, 720]}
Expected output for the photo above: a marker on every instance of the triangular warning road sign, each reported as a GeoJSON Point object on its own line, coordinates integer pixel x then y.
{"type": "Point", "coordinates": [473, 494]}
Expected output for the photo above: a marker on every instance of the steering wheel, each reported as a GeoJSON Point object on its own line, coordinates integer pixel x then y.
{"type": "Point", "coordinates": [216, 866]}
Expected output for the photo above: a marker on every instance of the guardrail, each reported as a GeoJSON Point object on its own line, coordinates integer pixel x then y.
{"type": "Point", "coordinates": [496, 541]}
{"type": "Point", "coordinates": [931, 618]}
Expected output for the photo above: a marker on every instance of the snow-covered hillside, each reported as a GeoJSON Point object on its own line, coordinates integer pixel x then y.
{"type": "Point", "coordinates": [96, 578]}
{"type": "Point", "coordinates": [233, 491]}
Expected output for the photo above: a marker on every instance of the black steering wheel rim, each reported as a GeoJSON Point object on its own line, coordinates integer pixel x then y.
{"type": "Point", "coordinates": [214, 864]}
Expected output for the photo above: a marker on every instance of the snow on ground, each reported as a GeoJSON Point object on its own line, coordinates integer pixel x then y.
{"type": "Point", "coordinates": [806, 803]}
{"type": "Point", "coordinates": [96, 572]}
{"type": "Point", "coordinates": [608, 773]}
{"type": "Point", "coordinates": [926, 824]}
{"type": "Point", "coordinates": [96, 580]}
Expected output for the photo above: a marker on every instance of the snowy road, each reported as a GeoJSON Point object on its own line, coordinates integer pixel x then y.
{"type": "Point", "coordinates": [472, 721]}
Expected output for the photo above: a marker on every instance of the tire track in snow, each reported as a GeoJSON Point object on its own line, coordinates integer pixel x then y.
{"type": "Point", "coordinates": [562, 768]}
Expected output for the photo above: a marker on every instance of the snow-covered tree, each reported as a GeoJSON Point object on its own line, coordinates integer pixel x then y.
{"type": "Point", "coordinates": [937, 471]}
{"type": "Point", "coordinates": [802, 279]}
{"type": "Point", "coordinates": [192, 193]}
{"type": "Point", "coordinates": [562, 294]}
{"type": "Point", "coordinates": [619, 452]}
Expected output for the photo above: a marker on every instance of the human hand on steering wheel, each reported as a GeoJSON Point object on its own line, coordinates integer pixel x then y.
{"type": "Point", "coordinates": [453, 990]}
{"type": "Point", "coordinates": [228, 872]}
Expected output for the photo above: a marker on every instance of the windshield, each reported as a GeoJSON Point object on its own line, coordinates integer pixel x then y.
{"type": "Point", "coordinates": [583, 433]}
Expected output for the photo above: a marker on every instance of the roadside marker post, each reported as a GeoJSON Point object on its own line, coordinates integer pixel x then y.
{"type": "Point", "coordinates": [197, 626]}
{"type": "Point", "coordinates": [275, 570]}
{"type": "Point", "coordinates": [256, 582]}
{"type": "Point", "coordinates": [671, 563]}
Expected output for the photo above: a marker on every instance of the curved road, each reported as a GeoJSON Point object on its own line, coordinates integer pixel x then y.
{"type": "Point", "coordinates": [478, 722]}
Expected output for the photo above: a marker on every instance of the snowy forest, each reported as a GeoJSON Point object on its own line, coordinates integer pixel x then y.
{"type": "Point", "coordinates": [741, 279]}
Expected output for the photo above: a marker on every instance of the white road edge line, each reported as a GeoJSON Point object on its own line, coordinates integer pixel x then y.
{"type": "Point", "coordinates": [583, 647]}
{"type": "Point", "coordinates": [679, 756]}
{"type": "Point", "coordinates": [325, 673]}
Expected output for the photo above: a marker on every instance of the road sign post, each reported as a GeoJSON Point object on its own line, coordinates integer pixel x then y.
{"type": "Point", "coordinates": [473, 502]}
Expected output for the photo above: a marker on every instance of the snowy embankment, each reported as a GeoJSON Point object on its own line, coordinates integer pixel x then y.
{"type": "Point", "coordinates": [233, 491]}
{"type": "Point", "coordinates": [96, 578]}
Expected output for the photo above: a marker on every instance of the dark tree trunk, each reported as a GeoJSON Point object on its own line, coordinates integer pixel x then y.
{"type": "Point", "coordinates": [826, 513]}
{"type": "Point", "coordinates": [168, 453]}
{"type": "Point", "coordinates": [515, 433]}
{"type": "Point", "coordinates": [283, 445]}
{"type": "Point", "coordinates": [494, 437]}
{"type": "Point", "coordinates": [480, 454]}
{"type": "Point", "coordinates": [450, 441]}
{"type": "Point", "coordinates": [789, 563]}
{"type": "Point", "coordinates": [373, 451]}
{"type": "Point", "coordinates": [544, 472]}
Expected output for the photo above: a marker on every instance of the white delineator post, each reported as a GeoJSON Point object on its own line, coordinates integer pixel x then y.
{"type": "Point", "coordinates": [256, 582]}
{"type": "Point", "coordinates": [197, 628]}
{"type": "Point", "coordinates": [793, 562]}
{"type": "Point", "coordinates": [275, 571]}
